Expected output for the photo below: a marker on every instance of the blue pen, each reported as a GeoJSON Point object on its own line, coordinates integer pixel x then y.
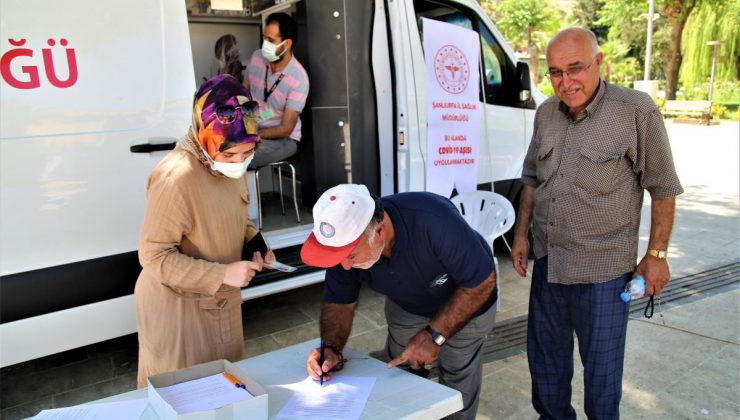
{"type": "Point", "coordinates": [321, 363]}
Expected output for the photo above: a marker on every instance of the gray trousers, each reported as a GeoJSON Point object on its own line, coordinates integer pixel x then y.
{"type": "Point", "coordinates": [273, 150]}
{"type": "Point", "coordinates": [459, 361]}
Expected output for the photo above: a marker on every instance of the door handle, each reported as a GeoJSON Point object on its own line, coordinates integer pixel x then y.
{"type": "Point", "coordinates": [154, 147]}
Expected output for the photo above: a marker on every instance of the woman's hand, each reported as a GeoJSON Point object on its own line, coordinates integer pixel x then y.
{"type": "Point", "coordinates": [240, 273]}
{"type": "Point", "coordinates": [269, 257]}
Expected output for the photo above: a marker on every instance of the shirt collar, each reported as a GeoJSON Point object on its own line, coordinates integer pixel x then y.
{"type": "Point", "coordinates": [590, 108]}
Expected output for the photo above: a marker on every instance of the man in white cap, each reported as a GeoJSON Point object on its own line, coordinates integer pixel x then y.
{"type": "Point", "coordinates": [436, 272]}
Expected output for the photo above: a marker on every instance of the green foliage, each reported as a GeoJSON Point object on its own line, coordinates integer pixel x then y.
{"type": "Point", "coordinates": [515, 18]}
{"type": "Point", "coordinates": [725, 93]}
{"type": "Point", "coordinates": [718, 111]}
{"type": "Point", "coordinates": [621, 26]}
{"type": "Point", "coordinates": [711, 21]}
{"type": "Point", "coordinates": [660, 102]}
{"type": "Point", "coordinates": [618, 67]}
{"type": "Point", "coordinates": [627, 23]}
{"type": "Point", "coordinates": [545, 87]}
{"type": "Point", "coordinates": [586, 15]}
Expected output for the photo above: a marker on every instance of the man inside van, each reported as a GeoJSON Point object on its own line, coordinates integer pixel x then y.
{"type": "Point", "coordinates": [435, 270]}
{"type": "Point", "coordinates": [279, 82]}
{"type": "Point", "coordinates": [596, 148]}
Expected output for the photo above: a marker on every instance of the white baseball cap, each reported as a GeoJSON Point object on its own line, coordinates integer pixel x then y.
{"type": "Point", "coordinates": [340, 217]}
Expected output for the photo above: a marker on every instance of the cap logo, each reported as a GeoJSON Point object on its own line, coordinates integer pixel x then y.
{"type": "Point", "coordinates": [327, 230]}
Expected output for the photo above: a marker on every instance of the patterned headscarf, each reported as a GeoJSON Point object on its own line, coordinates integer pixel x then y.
{"type": "Point", "coordinates": [213, 135]}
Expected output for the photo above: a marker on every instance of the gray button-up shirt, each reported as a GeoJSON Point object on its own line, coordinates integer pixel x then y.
{"type": "Point", "coordinates": [589, 175]}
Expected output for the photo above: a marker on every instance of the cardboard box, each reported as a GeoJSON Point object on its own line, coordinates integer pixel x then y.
{"type": "Point", "coordinates": [253, 408]}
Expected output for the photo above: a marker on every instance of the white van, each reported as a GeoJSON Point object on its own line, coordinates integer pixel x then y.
{"type": "Point", "coordinates": [95, 93]}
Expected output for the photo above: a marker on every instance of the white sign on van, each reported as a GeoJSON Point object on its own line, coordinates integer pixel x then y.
{"type": "Point", "coordinates": [453, 132]}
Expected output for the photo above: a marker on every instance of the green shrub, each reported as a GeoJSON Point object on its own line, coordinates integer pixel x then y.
{"type": "Point", "coordinates": [660, 102]}
{"type": "Point", "coordinates": [727, 93]}
{"type": "Point", "coordinates": [724, 93]}
{"type": "Point", "coordinates": [732, 115]}
{"type": "Point", "coordinates": [718, 111]}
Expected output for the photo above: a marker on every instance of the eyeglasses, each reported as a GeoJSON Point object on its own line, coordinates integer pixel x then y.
{"type": "Point", "coordinates": [227, 114]}
{"type": "Point", "coordinates": [572, 72]}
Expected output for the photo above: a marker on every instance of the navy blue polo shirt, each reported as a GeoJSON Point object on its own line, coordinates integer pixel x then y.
{"type": "Point", "coordinates": [434, 253]}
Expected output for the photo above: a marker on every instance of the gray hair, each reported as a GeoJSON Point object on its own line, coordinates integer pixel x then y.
{"type": "Point", "coordinates": [378, 216]}
{"type": "Point", "coordinates": [569, 33]}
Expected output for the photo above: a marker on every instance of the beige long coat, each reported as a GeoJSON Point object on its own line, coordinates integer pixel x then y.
{"type": "Point", "coordinates": [196, 222]}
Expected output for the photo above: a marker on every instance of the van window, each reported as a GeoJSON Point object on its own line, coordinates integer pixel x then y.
{"type": "Point", "coordinates": [498, 71]}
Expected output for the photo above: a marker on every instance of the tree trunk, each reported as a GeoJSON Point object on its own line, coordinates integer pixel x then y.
{"type": "Point", "coordinates": [678, 12]}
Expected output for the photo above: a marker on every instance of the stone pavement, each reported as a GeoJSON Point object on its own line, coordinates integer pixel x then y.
{"type": "Point", "coordinates": [686, 369]}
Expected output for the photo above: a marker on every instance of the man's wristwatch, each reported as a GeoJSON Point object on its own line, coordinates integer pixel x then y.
{"type": "Point", "coordinates": [437, 337]}
{"type": "Point", "coordinates": [658, 253]}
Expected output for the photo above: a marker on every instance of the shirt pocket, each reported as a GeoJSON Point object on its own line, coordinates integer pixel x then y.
{"type": "Point", "coordinates": [222, 314]}
{"type": "Point", "coordinates": [545, 161]}
{"type": "Point", "coordinates": [597, 169]}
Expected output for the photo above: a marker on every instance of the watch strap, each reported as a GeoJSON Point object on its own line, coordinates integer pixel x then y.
{"type": "Point", "coordinates": [658, 253]}
{"type": "Point", "coordinates": [437, 336]}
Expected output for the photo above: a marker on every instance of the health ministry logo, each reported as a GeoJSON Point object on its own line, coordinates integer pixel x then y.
{"type": "Point", "coordinates": [452, 69]}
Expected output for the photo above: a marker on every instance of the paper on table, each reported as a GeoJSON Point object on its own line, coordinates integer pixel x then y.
{"type": "Point", "coordinates": [119, 410]}
{"type": "Point", "coordinates": [344, 397]}
{"type": "Point", "coordinates": [207, 393]}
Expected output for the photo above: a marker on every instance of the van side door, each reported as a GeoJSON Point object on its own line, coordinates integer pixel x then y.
{"type": "Point", "coordinates": [504, 131]}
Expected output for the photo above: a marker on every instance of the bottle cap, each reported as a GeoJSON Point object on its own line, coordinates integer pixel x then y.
{"type": "Point", "coordinates": [625, 297]}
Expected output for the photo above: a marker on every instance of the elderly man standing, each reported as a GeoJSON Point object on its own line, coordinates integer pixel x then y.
{"type": "Point", "coordinates": [436, 272]}
{"type": "Point", "coordinates": [596, 147]}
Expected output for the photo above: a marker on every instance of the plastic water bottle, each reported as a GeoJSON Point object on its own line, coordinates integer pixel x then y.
{"type": "Point", "coordinates": [634, 289]}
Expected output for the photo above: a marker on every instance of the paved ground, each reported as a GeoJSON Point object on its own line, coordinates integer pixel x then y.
{"type": "Point", "coordinates": [688, 368]}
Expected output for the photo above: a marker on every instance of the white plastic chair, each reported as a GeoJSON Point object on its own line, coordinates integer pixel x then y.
{"type": "Point", "coordinates": [491, 215]}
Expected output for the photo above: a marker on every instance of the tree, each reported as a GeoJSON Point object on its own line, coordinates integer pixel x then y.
{"type": "Point", "coordinates": [677, 12]}
{"type": "Point", "coordinates": [586, 15]}
{"type": "Point", "coordinates": [527, 24]}
{"type": "Point", "coordinates": [712, 21]}
{"type": "Point", "coordinates": [618, 67]}
{"type": "Point", "coordinates": [627, 23]}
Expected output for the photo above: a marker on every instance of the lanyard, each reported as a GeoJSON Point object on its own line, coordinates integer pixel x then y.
{"type": "Point", "coordinates": [274, 85]}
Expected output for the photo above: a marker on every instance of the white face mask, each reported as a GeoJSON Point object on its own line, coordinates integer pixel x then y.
{"type": "Point", "coordinates": [232, 170]}
{"type": "Point", "coordinates": [268, 51]}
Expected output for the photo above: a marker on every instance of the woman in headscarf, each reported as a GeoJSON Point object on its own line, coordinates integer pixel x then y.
{"type": "Point", "coordinates": [188, 300]}
{"type": "Point", "coordinates": [226, 58]}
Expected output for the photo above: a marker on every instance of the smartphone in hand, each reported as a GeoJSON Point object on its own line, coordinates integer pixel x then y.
{"type": "Point", "coordinates": [256, 244]}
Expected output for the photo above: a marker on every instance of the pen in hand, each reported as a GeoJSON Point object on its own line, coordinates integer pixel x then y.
{"type": "Point", "coordinates": [321, 363]}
